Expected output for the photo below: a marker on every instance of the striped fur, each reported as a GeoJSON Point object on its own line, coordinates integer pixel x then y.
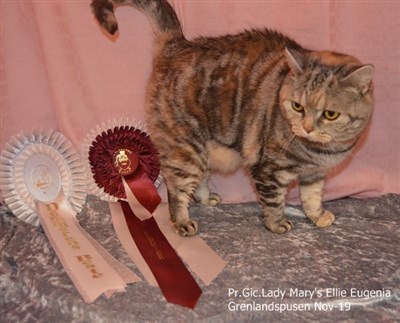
{"type": "Point", "coordinates": [216, 104]}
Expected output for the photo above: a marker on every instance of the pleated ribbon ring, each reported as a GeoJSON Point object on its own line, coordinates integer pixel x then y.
{"type": "Point", "coordinates": [43, 182]}
{"type": "Point", "coordinates": [124, 170]}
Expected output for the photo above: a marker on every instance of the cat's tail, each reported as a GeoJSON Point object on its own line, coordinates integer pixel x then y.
{"type": "Point", "coordinates": [162, 16]}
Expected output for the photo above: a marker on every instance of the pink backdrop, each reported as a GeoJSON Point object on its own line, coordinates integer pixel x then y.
{"type": "Point", "coordinates": [58, 70]}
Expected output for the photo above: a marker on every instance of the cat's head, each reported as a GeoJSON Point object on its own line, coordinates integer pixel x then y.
{"type": "Point", "coordinates": [326, 97]}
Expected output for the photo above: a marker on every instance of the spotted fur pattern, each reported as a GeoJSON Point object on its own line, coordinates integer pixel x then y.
{"type": "Point", "coordinates": [256, 100]}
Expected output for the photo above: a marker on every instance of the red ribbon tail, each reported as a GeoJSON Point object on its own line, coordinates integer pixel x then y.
{"type": "Point", "coordinates": [144, 190]}
{"type": "Point", "coordinates": [174, 279]}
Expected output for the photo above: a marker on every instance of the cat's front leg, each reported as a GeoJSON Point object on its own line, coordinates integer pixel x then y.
{"type": "Point", "coordinates": [311, 198]}
{"type": "Point", "coordinates": [178, 203]}
{"type": "Point", "coordinates": [272, 189]}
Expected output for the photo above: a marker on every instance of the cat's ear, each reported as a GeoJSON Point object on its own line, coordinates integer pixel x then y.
{"type": "Point", "coordinates": [295, 59]}
{"type": "Point", "coordinates": [360, 79]}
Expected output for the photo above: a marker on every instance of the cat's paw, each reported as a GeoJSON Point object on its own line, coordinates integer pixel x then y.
{"type": "Point", "coordinates": [325, 220]}
{"type": "Point", "coordinates": [281, 226]}
{"type": "Point", "coordinates": [214, 199]}
{"type": "Point", "coordinates": [186, 229]}
{"type": "Point", "coordinates": [211, 200]}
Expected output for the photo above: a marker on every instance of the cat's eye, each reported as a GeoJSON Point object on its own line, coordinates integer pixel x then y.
{"type": "Point", "coordinates": [297, 107]}
{"type": "Point", "coordinates": [331, 115]}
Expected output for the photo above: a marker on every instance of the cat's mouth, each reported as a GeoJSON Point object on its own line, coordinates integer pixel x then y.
{"type": "Point", "coordinates": [313, 135]}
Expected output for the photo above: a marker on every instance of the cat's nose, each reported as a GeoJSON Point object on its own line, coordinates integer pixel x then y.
{"type": "Point", "coordinates": [308, 125]}
{"type": "Point", "coordinates": [308, 130]}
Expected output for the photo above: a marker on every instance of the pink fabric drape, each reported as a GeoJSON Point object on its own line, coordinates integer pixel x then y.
{"type": "Point", "coordinates": [59, 70]}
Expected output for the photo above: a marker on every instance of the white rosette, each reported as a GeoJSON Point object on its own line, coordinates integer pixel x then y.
{"type": "Point", "coordinates": [37, 167]}
{"type": "Point", "coordinates": [43, 182]}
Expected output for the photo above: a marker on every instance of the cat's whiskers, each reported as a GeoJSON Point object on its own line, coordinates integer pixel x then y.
{"type": "Point", "coordinates": [288, 143]}
{"type": "Point", "coordinates": [351, 155]}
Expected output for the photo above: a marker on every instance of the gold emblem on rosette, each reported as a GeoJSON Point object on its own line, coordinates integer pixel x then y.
{"type": "Point", "coordinates": [125, 161]}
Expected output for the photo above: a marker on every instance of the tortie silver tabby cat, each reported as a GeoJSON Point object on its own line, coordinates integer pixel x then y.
{"type": "Point", "coordinates": [257, 100]}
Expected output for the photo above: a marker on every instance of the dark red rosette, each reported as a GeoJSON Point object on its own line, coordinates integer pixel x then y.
{"type": "Point", "coordinates": [124, 164]}
{"type": "Point", "coordinates": [103, 151]}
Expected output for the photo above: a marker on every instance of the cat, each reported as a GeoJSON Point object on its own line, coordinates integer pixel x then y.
{"type": "Point", "coordinates": [256, 100]}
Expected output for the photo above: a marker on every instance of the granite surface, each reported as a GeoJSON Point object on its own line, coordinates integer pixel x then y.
{"type": "Point", "coordinates": [349, 272]}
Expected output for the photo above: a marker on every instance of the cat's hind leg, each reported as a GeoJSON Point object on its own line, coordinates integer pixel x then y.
{"type": "Point", "coordinates": [203, 195]}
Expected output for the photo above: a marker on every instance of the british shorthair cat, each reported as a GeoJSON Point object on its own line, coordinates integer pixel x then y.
{"type": "Point", "coordinates": [256, 100]}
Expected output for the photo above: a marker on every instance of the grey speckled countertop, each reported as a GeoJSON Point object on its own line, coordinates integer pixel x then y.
{"type": "Point", "coordinates": [349, 272]}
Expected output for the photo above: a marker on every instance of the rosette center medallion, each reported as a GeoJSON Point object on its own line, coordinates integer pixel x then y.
{"type": "Point", "coordinates": [125, 161]}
